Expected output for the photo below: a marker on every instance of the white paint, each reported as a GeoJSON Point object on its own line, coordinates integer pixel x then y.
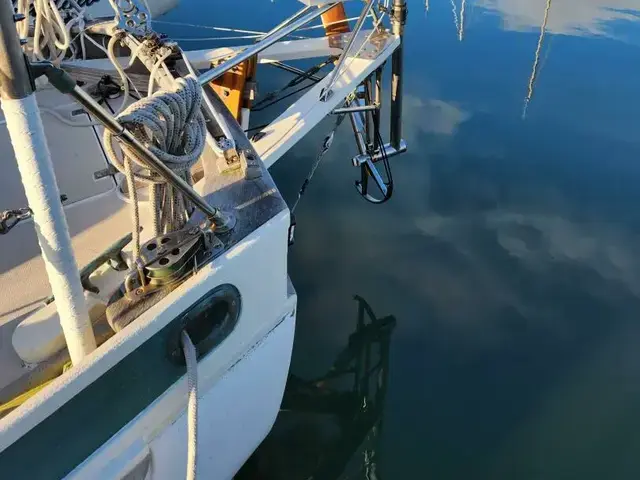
{"type": "Point", "coordinates": [40, 335]}
{"type": "Point", "coordinates": [234, 416]}
{"type": "Point", "coordinates": [245, 113]}
{"type": "Point", "coordinates": [38, 178]}
{"type": "Point", "coordinates": [262, 281]}
{"type": "Point", "coordinates": [297, 120]}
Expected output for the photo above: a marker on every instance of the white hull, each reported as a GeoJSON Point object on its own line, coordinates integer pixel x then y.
{"type": "Point", "coordinates": [235, 415]}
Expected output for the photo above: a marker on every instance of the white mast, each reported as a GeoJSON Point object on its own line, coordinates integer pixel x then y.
{"type": "Point", "coordinates": [38, 178]}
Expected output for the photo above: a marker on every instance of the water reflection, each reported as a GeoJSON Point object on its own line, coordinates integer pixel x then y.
{"type": "Point", "coordinates": [458, 22]}
{"type": "Point", "coordinates": [511, 252]}
{"type": "Point", "coordinates": [536, 61]}
{"type": "Point", "coordinates": [578, 18]}
{"type": "Point", "coordinates": [333, 422]}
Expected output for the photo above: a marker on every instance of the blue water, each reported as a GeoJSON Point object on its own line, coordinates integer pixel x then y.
{"type": "Point", "coordinates": [508, 255]}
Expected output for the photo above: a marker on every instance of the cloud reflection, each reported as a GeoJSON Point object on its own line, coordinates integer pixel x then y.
{"type": "Point", "coordinates": [431, 115]}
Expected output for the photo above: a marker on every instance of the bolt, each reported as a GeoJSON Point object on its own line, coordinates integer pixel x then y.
{"type": "Point", "coordinates": [139, 291]}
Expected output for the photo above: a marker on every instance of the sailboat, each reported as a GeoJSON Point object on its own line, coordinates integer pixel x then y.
{"type": "Point", "coordinates": [148, 318]}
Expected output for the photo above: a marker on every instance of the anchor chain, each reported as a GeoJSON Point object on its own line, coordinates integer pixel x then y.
{"type": "Point", "coordinates": [326, 145]}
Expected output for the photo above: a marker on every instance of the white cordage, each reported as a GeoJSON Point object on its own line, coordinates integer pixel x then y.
{"type": "Point", "coordinates": [123, 76]}
{"type": "Point", "coordinates": [154, 71]}
{"type": "Point", "coordinates": [38, 178]}
{"type": "Point", "coordinates": [191, 360]}
{"type": "Point", "coordinates": [51, 34]}
{"type": "Point", "coordinates": [171, 125]}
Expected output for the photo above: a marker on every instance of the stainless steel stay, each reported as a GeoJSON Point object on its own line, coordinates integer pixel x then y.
{"type": "Point", "coordinates": [326, 93]}
{"type": "Point", "coordinates": [269, 40]}
{"type": "Point", "coordinates": [222, 221]}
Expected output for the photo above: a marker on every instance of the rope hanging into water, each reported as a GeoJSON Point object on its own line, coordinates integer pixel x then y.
{"type": "Point", "coordinates": [191, 360]}
{"type": "Point", "coordinates": [170, 123]}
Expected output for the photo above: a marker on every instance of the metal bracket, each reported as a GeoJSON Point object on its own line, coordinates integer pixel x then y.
{"type": "Point", "coordinates": [132, 16]}
{"type": "Point", "coordinates": [113, 255]}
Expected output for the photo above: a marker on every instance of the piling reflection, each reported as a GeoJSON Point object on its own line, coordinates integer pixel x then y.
{"type": "Point", "coordinates": [536, 60]}
{"type": "Point", "coordinates": [458, 20]}
{"type": "Point", "coordinates": [329, 426]}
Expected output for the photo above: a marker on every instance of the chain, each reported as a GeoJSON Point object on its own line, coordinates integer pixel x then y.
{"type": "Point", "coordinates": [326, 145]}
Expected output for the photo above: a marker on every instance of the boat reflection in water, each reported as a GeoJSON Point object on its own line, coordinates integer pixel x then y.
{"type": "Point", "coordinates": [329, 426]}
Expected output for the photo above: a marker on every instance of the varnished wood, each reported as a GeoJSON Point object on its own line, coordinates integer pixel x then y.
{"type": "Point", "coordinates": [335, 20]}
{"type": "Point", "coordinates": [230, 87]}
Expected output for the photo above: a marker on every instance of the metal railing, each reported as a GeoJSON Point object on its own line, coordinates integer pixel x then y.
{"type": "Point", "coordinates": [270, 39]}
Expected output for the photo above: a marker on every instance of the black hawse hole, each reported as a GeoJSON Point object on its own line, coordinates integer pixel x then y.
{"type": "Point", "coordinates": [204, 324]}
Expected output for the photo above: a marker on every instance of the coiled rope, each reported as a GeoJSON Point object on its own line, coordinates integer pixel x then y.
{"type": "Point", "coordinates": [51, 32]}
{"type": "Point", "coordinates": [171, 125]}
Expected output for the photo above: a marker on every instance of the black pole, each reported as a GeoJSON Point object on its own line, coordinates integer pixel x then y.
{"type": "Point", "coordinates": [15, 82]}
{"type": "Point", "coordinates": [398, 18]}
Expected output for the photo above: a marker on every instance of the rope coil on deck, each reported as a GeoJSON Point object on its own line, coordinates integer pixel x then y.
{"type": "Point", "coordinates": [171, 124]}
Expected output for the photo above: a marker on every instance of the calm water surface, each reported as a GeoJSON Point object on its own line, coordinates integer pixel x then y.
{"type": "Point", "coordinates": [501, 284]}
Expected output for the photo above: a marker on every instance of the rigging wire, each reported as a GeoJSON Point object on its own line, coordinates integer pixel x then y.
{"type": "Point", "coordinates": [249, 34]}
{"type": "Point", "coordinates": [305, 75]}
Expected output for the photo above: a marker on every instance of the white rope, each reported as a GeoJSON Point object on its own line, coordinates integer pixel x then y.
{"type": "Point", "coordinates": [51, 33]}
{"type": "Point", "coordinates": [171, 125]}
{"type": "Point", "coordinates": [123, 76]}
{"type": "Point", "coordinates": [192, 408]}
{"type": "Point", "coordinates": [52, 40]}
{"type": "Point", "coordinates": [154, 71]}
